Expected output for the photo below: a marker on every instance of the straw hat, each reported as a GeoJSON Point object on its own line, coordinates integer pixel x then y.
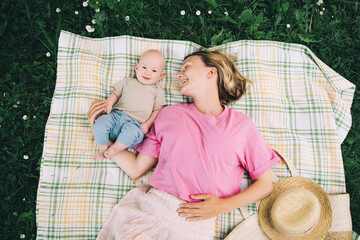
{"type": "Point", "coordinates": [298, 208]}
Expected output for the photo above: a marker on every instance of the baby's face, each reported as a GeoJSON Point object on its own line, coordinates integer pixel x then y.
{"type": "Point", "coordinates": [150, 68]}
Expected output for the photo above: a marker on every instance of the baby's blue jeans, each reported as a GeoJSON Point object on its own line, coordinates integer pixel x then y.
{"type": "Point", "coordinates": [117, 126]}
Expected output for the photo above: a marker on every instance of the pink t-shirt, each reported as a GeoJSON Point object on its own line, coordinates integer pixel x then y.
{"type": "Point", "coordinates": [203, 154]}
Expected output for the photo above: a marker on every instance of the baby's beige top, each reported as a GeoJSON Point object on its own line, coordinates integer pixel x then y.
{"type": "Point", "coordinates": [138, 100]}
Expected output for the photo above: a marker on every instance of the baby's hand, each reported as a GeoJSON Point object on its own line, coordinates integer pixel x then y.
{"type": "Point", "coordinates": [145, 127]}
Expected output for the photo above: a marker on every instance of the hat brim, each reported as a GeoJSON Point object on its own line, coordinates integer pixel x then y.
{"type": "Point", "coordinates": [322, 227]}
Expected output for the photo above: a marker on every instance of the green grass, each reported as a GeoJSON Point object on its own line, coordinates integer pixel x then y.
{"type": "Point", "coordinates": [30, 29]}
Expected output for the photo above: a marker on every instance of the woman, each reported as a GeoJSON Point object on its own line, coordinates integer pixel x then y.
{"type": "Point", "coordinates": [201, 150]}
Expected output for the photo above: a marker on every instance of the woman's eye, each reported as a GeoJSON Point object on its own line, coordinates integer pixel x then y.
{"type": "Point", "coordinates": [144, 67]}
{"type": "Point", "coordinates": [154, 71]}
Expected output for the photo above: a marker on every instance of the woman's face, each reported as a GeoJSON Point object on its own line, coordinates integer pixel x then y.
{"type": "Point", "coordinates": [193, 75]}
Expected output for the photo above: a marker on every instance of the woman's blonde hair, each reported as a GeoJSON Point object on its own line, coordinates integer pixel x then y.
{"type": "Point", "coordinates": [232, 85]}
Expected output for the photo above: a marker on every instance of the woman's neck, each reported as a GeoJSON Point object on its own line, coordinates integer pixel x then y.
{"type": "Point", "coordinates": [211, 107]}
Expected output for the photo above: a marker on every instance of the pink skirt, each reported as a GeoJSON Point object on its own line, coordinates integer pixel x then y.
{"type": "Point", "coordinates": [149, 213]}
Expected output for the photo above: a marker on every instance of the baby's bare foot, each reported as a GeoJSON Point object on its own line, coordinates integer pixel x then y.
{"type": "Point", "coordinates": [114, 149]}
{"type": "Point", "coordinates": [99, 157]}
{"type": "Point", "coordinates": [110, 153]}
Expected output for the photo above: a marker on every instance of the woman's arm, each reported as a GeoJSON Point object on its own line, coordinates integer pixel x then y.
{"type": "Point", "coordinates": [211, 206]}
{"type": "Point", "coordinates": [134, 165]}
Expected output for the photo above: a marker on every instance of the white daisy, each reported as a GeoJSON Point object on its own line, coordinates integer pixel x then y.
{"type": "Point", "coordinates": [26, 157]}
{"type": "Point", "coordinates": [127, 18]}
{"type": "Point", "coordinates": [58, 10]}
{"type": "Point", "coordinates": [88, 28]}
{"type": "Point", "coordinates": [77, 12]}
{"type": "Point", "coordinates": [97, 10]}
{"type": "Point", "coordinates": [93, 21]}
{"type": "Point", "coordinates": [226, 13]}
{"type": "Point", "coordinates": [25, 117]}
{"type": "Point", "coordinates": [288, 25]}
{"type": "Point", "coordinates": [198, 12]}
{"type": "Point", "coordinates": [48, 54]}
{"type": "Point", "coordinates": [22, 236]}
{"type": "Point", "coordinates": [85, 4]}
{"type": "Point", "coordinates": [321, 13]}
{"type": "Point", "coordinates": [209, 12]}
{"type": "Point", "coordinates": [182, 12]}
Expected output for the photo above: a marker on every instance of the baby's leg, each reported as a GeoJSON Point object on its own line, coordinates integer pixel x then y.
{"type": "Point", "coordinates": [103, 125]}
{"type": "Point", "coordinates": [130, 133]}
{"type": "Point", "coordinates": [115, 148]}
{"type": "Point", "coordinates": [101, 156]}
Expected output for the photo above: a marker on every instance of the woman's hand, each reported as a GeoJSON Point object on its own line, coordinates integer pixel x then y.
{"type": "Point", "coordinates": [210, 207]}
{"type": "Point", "coordinates": [97, 108]}
{"type": "Point", "coordinates": [108, 107]}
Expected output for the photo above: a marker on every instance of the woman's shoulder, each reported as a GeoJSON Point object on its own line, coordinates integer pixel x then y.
{"type": "Point", "coordinates": [237, 113]}
{"type": "Point", "coordinates": [174, 110]}
{"type": "Point", "coordinates": [240, 116]}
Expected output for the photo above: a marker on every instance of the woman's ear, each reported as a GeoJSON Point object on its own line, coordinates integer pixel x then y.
{"type": "Point", "coordinates": [212, 72]}
{"type": "Point", "coordinates": [136, 66]}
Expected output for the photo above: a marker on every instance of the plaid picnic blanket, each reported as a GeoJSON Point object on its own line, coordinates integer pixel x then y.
{"type": "Point", "coordinates": [301, 106]}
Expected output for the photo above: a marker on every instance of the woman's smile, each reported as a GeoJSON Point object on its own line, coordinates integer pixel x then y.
{"type": "Point", "coordinates": [183, 82]}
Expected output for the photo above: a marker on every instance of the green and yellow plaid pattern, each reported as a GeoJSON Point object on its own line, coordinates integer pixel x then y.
{"type": "Point", "coordinates": [301, 106]}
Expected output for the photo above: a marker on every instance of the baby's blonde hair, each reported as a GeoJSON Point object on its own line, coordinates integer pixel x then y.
{"type": "Point", "coordinates": [232, 85]}
{"type": "Point", "coordinates": [155, 52]}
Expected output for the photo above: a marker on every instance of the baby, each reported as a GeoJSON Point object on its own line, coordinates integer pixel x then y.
{"type": "Point", "coordinates": [132, 107]}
